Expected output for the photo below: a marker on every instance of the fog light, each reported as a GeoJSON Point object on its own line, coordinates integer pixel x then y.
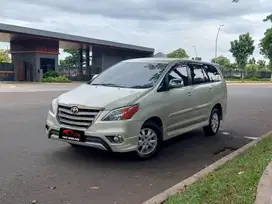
{"type": "Point", "coordinates": [115, 138]}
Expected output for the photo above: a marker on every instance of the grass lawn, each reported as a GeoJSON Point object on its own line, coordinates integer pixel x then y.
{"type": "Point", "coordinates": [235, 182]}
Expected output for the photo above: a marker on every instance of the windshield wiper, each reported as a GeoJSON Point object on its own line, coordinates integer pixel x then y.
{"type": "Point", "coordinates": [108, 84]}
{"type": "Point", "coordinates": [141, 86]}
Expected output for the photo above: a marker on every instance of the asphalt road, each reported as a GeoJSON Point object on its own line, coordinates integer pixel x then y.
{"type": "Point", "coordinates": [33, 168]}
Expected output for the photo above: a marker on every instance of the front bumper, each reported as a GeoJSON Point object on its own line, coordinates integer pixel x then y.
{"type": "Point", "coordinates": [98, 134]}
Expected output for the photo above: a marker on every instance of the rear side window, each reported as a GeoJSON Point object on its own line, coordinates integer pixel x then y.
{"type": "Point", "coordinates": [213, 73]}
{"type": "Point", "coordinates": [198, 74]}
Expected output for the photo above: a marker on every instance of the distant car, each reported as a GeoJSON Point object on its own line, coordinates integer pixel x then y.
{"type": "Point", "coordinates": [137, 104]}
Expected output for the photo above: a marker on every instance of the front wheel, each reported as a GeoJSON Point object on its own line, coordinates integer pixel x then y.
{"type": "Point", "coordinates": [214, 123]}
{"type": "Point", "coordinates": [150, 140]}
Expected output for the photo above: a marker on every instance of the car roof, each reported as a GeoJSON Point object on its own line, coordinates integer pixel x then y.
{"type": "Point", "coordinates": [166, 59]}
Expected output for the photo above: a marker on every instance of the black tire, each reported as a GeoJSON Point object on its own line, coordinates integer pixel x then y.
{"type": "Point", "coordinates": [209, 130]}
{"type": "Point", "coordinates": [158, 131]}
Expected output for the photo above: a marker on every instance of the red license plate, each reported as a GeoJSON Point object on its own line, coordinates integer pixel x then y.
{"type": "Point", "coordinates": [73, 135]}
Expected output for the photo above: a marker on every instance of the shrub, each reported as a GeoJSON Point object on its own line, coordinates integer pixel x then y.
{"type": "Point", "coordinates": [51, 74]}
{"type": "Point", "coordinates": [58, 79]}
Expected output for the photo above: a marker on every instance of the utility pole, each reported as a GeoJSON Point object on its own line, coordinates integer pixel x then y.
{"type": "Point", "coordinates": [216, 39]}
{"type": "Point", "coordinates": [195, 51]}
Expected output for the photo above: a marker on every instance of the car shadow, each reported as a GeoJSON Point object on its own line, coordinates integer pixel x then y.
{"type": "Point", "coordinates": [187, 149]}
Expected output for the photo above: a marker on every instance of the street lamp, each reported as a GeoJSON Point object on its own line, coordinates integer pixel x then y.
{"type": "Point", "coordinates": [195, 50]}
{"type": "Point", "coordinates": [215, 54]}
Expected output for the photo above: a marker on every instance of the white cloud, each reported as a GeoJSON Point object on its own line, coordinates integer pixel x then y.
{"type": "Point", "coordinates": [163, 25]}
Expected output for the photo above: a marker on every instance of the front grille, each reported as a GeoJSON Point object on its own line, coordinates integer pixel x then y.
{"type": "Point", "coordinates": [82, 119]}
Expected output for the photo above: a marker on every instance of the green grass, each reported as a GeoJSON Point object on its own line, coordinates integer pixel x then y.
{"type": "Point", "coordinates": [235, 182]}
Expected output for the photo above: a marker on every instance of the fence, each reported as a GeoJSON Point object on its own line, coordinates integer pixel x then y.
{"type": "Point", "coordinates": [236, 73]}
{"type": "Point", "coordinates": [74, 73]}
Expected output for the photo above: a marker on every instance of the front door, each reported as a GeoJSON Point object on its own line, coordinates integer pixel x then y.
{"type": "Point", "coordinates": [180, 104]}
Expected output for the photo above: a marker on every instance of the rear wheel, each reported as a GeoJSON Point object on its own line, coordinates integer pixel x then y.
{"type": "Point", "coordinates": [150, 140]}
{"type": "Point", "coordinates": [214, 123]}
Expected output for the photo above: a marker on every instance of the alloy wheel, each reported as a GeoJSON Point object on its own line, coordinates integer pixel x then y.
{"type": "Point", "coordinates": [148, 141]}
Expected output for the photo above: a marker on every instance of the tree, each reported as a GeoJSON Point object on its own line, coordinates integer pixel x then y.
{"type": "Point", "coordinates": [261, 63]}
{"type": "Point", "coordinates": [72, 60]}
{"type": "Point", "coordinates": [266, 46]}
{"type": "Point", "coordinates": [253, 68]}
{"type": "Point", "coordinates": [179, 53]}
{"type": "Point", "coordinates": [268, 18]}
{"type": "Point", "coordinates": [4, 55]}
{"type": "Point", "coordinates": [252, 61]}
{"type": "Point", "coordinates": [222, 61]}
{"type": "Point", "coordinates": [241, 49]}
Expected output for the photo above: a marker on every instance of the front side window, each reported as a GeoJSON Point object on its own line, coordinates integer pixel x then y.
{"type": "Point", "coordinates": [131, 74]}
{"type": "Point", "coordinates": [178, 77]}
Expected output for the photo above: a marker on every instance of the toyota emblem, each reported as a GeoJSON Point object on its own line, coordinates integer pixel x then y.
{"type": "Point", "coordinates": [74, 110]}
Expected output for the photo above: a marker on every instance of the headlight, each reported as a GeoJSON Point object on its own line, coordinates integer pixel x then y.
{"type": "Point", "coordinates": [123, 113]}
{"type": "Point", "coordinates": [54, 106]}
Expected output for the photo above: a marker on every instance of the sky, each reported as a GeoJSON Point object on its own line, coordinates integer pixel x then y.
{"type": "Point", "coordinates": [160, 24]}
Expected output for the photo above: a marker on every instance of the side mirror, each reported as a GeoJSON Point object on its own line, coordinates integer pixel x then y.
{"type": "Point", "coordinates": [175, 83]}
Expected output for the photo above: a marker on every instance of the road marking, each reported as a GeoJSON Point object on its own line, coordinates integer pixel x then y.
{"type": "Point", "coordinates": [225, 133]}
{"type": "Point", "coordinates": [251, 138]}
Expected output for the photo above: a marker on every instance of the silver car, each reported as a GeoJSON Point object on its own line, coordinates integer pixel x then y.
{"type": "Point", "coordinates": [137, 104]}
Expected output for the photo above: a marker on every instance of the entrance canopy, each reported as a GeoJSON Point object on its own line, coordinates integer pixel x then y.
{"type": "Point", "coordinates": [34, 52]}
{"type": "Point", "coordinates": [9, 33]}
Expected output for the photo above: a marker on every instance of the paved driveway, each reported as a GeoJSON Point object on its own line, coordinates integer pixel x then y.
{"type": "Point", "coordinates": [35, 168]}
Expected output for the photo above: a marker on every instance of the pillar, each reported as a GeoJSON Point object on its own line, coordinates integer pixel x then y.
{"type": "Point", "coordinates": [88, 69]}
{"type": "Point", "coordinates": [80, 61]}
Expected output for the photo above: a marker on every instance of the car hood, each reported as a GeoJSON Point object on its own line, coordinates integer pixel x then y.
{"type": "Point", "coordinates": [101, 96]}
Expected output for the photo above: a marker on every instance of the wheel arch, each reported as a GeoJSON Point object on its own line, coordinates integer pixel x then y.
{"type": "Point", "coordinates": [157, 120]}
{"type": "Point", "coordinates": [219, 107]}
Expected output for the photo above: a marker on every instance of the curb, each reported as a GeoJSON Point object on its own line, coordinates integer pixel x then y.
{"type": "Point", "coordinates": [64, 83]}
{"type": "Point", "coordinates": [160, 198]}
{"type": "Point", "coordinates": [265, 187]}
{"type": "Point", "coordinates": [8, 86]}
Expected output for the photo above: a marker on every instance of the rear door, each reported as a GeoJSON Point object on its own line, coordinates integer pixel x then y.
{"type": "Point", "coordinates": [219, 87]}
{"type": "Point", "coordinates": [201, 92]}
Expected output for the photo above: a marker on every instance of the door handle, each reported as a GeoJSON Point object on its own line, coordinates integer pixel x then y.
{"type": "Point", "coordinates": [189, 93]}
{"type": "Point", "coordinates": [210, 89]}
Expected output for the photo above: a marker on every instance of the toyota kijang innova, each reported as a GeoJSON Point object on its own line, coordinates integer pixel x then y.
{"type": "Point", "coordinates": [136, 104]}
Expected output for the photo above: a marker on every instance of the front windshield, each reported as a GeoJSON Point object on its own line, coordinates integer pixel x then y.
{"type": "Point", "coordinates": [131, 74]}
